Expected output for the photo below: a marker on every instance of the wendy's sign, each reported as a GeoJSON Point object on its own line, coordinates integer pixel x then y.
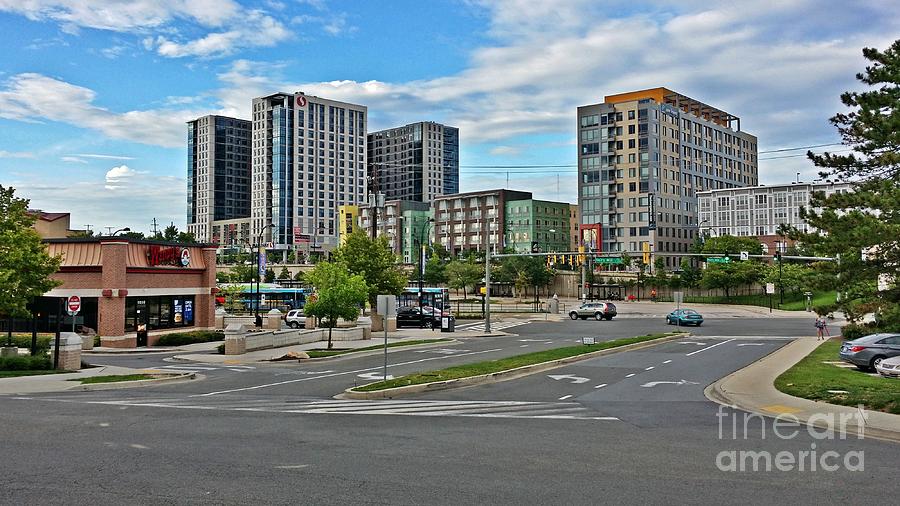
{"type": "Point", "coordinates": [173, 255]}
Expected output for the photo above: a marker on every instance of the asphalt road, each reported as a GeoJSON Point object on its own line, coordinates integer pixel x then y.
{"type": "Point", "coordinates": [273, 434]}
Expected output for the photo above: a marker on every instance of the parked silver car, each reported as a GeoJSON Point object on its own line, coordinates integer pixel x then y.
{"type": "Point", "coordinates": [867, 352]}
{"type": "Point", "coordinates": [889, 367]}
{"type": "Point", "coordinates": [295, 318]}
{"type": "Point", "coordinates": [597, 310]}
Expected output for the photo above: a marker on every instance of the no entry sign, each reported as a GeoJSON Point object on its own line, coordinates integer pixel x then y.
{"type": "Point", "coordinates": [73, 305]}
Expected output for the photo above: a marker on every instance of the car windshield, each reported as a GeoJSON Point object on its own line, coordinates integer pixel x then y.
{"type": "Point", "coordinates": [689, 311]}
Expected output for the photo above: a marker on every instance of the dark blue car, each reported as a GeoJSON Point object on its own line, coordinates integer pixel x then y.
{"type": "Point", "coordinates": [684, 317]}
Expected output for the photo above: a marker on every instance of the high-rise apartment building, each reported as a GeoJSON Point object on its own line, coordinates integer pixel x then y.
{"type": "Point", "coordinates": [759, 211]}
{"type": "Point", "coordinates": [218, 173]}
{"type": "Point", "coordinates": [309, 158]}
{"type": "Point", "coordinates": [642, 157]}
{"type": "Point", "coordinates": [474, 220]}
{"type": "Point", "coordinates": [534, 223]}
{"type": "Point", "coordinates": [419, 161]}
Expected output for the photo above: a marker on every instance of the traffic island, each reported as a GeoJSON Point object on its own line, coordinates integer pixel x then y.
{"type": "Point", "coordinates": [502, 369]}
{"type": "Point", "coordinates": [753, 389]}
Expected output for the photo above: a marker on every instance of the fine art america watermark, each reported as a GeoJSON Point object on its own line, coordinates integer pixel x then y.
{"type": "Point", "coordinates": [736, 425]}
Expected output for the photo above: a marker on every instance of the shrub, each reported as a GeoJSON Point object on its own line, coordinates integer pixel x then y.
{"type": "Point", "coordinates": [855, 331]}
{"type": "Point", "coordinates": [192, 337]}
{"type": "Point", "coordinates": [220, 349]}
{"type": "Point", "coordinates": [24, 341]}
{"type": "Point", "coordinates": [36, 363]}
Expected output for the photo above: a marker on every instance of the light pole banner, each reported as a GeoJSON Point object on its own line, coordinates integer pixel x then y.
{"type": "Point", "coordinates": [262, 261]}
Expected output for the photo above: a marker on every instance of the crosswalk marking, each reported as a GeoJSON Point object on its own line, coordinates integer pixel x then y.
{"type": "Point", "coordinates": [479, 327]}
{"type": "Point", "coordinates": [433, 408]}
{"type": "Point", "coordinates": [206, 367]}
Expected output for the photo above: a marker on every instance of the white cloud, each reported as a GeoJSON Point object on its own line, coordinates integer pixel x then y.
{"type": "Point", "coordinates": [103, 157]}
{"type": "Point", "coordinates": [505, 151]}
{"type": "Point", "coordinates": [16, 154]}
{"type": "Point", "coordinates": [228, 25]}
{"type": "Point", "coordinates": [34, 97]}
{"type": "Point", "coordinates": [120, 177]}
{"type": "Point", "coordinates": [255, 29]}
{"type": "Point", "coordinates": [72, 159]}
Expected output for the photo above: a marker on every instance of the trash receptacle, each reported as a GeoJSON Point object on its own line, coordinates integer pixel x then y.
{"type": "Point", "coordinates": [141, 334]}
{"type": "Point", "coordinates": [448, 324]}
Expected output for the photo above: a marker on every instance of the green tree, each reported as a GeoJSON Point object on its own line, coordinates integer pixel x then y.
{"type": "Point", "coordinates": [660, 277]}
{"type": "Point", "coordinates": [339, 295]}
{"type": "Point", "coordinates": [729, 244]}
{"type": "Point", "coordinates": [270, 276]}
{"type": "Point", "coordinates": [25, 264]}
{"type": "Point", "coordinates": [243, 273]}
{"type": "Point", "coordinates": [284, 274]}
{"type": "Point", "coordinates": [464, 273]}
{"type": "Point", "coordinates": [690, 275]}
{"type": "Point", "coordinates": [233, 295]}
{"type": "Point", "coordinates": [132, 235]}
{"type": "Point", "coordinates": [300, 276]}
{"type": "Point", "coordinates": [375, 262]}
{"type": "Point", "coordinates": [435, 270]}
{"type": "Point", "coordinates": [862, 228]}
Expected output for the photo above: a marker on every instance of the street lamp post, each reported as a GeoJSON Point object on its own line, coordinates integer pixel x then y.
{"type": "Point", "coordinates": [422, 261]}
{"type": "Point", "coordinates": [258, 319]}
{"type": "Point", "coordinates": [126, 229]}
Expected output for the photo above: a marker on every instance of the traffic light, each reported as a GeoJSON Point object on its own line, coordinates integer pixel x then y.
{"type": "Point", "coordinates": [581, 255]}
{"type": "Point", "coordinates": [535, 248]}
{"type": "Point", "coordinates": [646, 249]}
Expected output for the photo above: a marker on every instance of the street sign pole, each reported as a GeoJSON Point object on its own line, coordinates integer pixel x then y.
{"type": "Point", "coordinates": [58, 323]}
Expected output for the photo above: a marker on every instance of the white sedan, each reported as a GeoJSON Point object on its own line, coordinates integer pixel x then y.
{"type": "Point", "coordinates": [889, 367]}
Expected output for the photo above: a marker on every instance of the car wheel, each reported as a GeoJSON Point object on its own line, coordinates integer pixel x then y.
{"type": "Point", "coordinates": [573, 315]}
{"type": "Point", "coordinates": [293, 325]}
{"type": "Point", "coordinates": [699, 324]}
{"type": "Point", "coordinates": [668, 321]}
{"type": "Point", "coordinates": [876, 361]}
{"type": "Point", "coordinates": [862, 367]}
{"type": "Point", "coordinates": [598, 316]}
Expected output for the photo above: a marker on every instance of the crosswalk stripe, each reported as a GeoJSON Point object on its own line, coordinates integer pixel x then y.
{"type": "Point", "coordinates": [433, 408]}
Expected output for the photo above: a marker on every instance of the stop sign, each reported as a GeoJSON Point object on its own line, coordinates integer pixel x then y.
{"type": "Point", "coordinates": [74, 304]}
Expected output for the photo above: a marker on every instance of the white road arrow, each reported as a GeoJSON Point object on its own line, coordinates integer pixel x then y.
{"type": "Point", "coordinates": [682, 382]}
{"type": "Point", "coordinates": [575, 379]}
{"type": "Point", "coordinates": [375, 376]}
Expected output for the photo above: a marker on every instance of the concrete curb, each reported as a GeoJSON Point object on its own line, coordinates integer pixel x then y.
{"type": "Point", "coordinates": [367, 353]}
{"type": "Point", "coordinates": [139, 383]}
{"type": "Point", "coordinates": [760, 396]}
{"type": "Point", "coordinates": [495, 377]}
{"type": "Point", "coordinates": [128, 351]}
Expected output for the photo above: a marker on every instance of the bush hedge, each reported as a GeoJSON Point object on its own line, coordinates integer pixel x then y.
{"type": "Point", "coordinates": [192, 337]}
{"type": "Point", "coordinates": [35, 363]}
{"type": "Point", "coordinates": [24, 341]}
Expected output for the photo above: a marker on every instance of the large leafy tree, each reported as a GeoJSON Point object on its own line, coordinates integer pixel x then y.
{"type": "Point", "coordinates": [464, 273]}
{"type": "Point", "coordinates": [862, 228]}
{"type": "Point", "coordinates": [728, 276]}
{"type": "Point", "coordinates": [25, 264]}
{"type": "Point", "coordinates": [375, 262]}
{"type": "Point", "coordinates": [339, 294]}
{"type": "Point", "coordinates": [435, 270]}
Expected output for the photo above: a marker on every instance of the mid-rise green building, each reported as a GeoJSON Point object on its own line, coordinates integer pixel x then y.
{"type": "Point", "coordinates": [537, 224]}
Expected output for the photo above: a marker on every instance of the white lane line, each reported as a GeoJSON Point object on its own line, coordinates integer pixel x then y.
{"type": "Point", "coordinates": [565, 397]}
{"type": "Point", "coordinates": [523, 346]}
{"type": "Point", "coordinates": [601, 385]}
{"type": "Point", "coordinates": [630, 375]}
{"type": "Point", "coordinates": [357, 371]}
{"type": "Point", "coordinates": [650, 368]}
{"type": "Point", "coordinates": [708, 347]}
{"type": "Point", "coordinates": [667, 362]}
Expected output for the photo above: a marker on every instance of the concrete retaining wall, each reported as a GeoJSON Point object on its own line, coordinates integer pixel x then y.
{"type": "Point", "coordinates": [238, 340]}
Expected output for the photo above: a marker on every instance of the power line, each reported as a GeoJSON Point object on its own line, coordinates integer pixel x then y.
{"type": "Point", "coordinates": [798, 147]}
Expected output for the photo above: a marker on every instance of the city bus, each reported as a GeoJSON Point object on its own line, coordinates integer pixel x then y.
{"type": "Point", "coordinates": [271, 296]}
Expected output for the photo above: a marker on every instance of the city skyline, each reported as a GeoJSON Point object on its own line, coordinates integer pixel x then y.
{"type": "Point", "coordinates": [94, 104]}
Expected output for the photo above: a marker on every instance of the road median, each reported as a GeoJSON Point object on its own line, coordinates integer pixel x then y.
{"type": "Point", "coordinates": [502, 369]}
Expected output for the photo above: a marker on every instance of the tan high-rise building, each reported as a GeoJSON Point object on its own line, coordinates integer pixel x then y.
{"type": "Point", "coordinates": [642, 156]}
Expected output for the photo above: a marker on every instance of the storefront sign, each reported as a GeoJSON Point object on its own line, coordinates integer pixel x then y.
{"type": "Point", "coordinates": [157, 255]}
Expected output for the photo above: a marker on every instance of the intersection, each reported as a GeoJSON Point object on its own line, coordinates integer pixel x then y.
{"type": "Point", "coordinates": [631, 426]}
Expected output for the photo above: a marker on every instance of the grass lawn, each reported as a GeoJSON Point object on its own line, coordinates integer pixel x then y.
{"type": "Point", "coordinates": [320, 353]}
{"type": "Point", "coordinates": [792, 302]}
{"type": "Point", "coordinates": [503, 364]}
{"type": "Point", "coordinates": [113, 378]}
{"type": "Point", "coordinates": [13, 374]}
{"type": "Point", "coordinates": [811, 379]}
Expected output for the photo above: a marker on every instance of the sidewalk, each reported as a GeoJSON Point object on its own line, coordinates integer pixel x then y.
{"type": "Point", "coordinates": [99, 350]}
{"type": "Point", "coordinates": [752, 389]}
{"type": "Point", "coordinates": [377, 340]}
{"type": "Point", "coordinates": [58, 382]}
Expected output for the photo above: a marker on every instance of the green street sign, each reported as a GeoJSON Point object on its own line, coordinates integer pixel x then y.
{"type": "Point", "coordinates": [608, 260]}
{"type": "Point", "coordinates": [718, 260]}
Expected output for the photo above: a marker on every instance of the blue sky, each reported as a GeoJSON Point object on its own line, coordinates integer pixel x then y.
{"type": "Point", "coordinates": [94, 93]}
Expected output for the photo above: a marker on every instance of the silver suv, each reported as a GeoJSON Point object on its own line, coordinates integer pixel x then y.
{"type": "Point", "coordinates": [597, 310]}
{"type": "Point", "coordinates": [295, 318]}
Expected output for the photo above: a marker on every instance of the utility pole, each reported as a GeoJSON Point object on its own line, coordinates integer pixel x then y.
{"type": "Point", "coordinates": [373, 202]}
{"type": "Point", "coordinates": [155, 226]}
